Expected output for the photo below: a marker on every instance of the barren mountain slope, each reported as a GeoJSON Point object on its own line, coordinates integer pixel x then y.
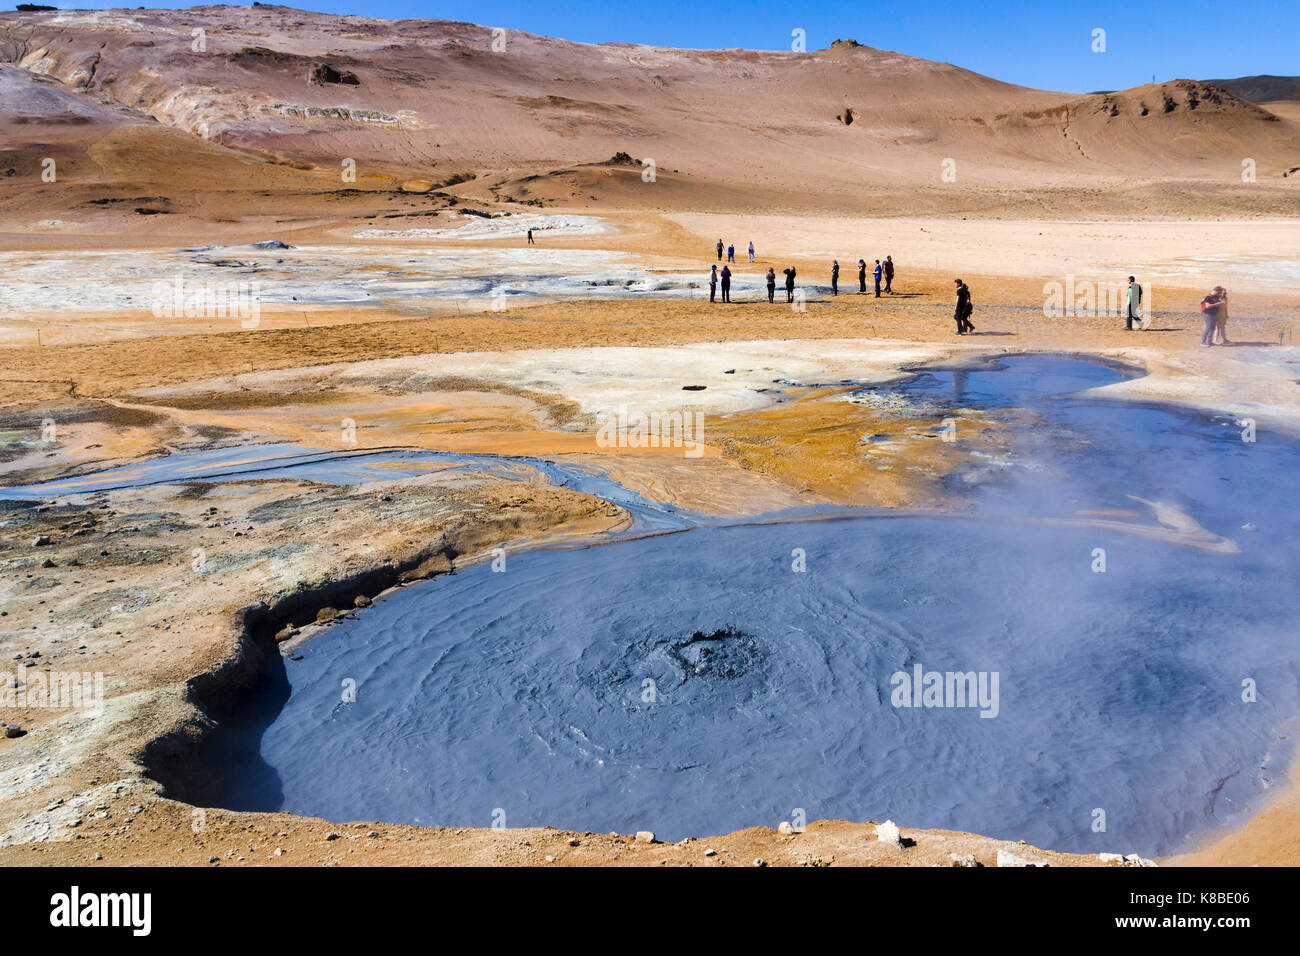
{"type": "Point", "coordinates": [279, 100]}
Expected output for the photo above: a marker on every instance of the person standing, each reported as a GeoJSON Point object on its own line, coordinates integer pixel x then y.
{"type": "Point", "coordinates": [751, 250]}
{"type": "Point", "coordinates": [771, 285]}
{"type": "Point", "coordinates": [719, 250]}
{"type": "Point", "coordinates": [835, 277]}
{"type": "Point", "coordinates": [1221, 320]}
{"type": "Point", "coordinates": [530, 238]}
{"type": "Point", "coordinates": [726, 283]}
{"type": "Point", "coordinates": [862, 277]}
{"type": "Point", "coordinates": [731, 253]}
{"type": "Point", "coordinates": [889, 274]}
{"type": "Point", "coordinates": [713, 284]}
{"type": "Point", "coordinates": [1134, 304]}
{"type": "Point", "coordinates": [1210, 308]}
{"type": "Point", "coordinates": [877, 274]}
{"type": "Point", "coordinates": [964, 309]}
{"type": "Point", "coordinates": [789, 284]}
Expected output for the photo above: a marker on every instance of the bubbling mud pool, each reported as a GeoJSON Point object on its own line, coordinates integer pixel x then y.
{"type": "Point", "coordinates": [733, 674]}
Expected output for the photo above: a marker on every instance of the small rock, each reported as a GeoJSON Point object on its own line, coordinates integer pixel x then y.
{"type": "Point", "coordinates": [372, 834]}
{"type": "Point", "coordinates": [48, 563]}
{"type": "Point", "coordinates": [1133, 859]}
{"type": "Point", "coordinates": [361, 601]}
{"type": "Point", "coordinates": [13, 730]}
{"type": "Point", "coordinates": [644, 836]}
{"type": "Point", "coordinates": [41, 541]}
{"type": "Point", "coordinates": [331, 836]}
{"type": "Point", "coordinates": [285, 633]}
{"type": "Point", "coordinates": [759, 861]}
{"type": "Point", "coordinates": [1006, 858]}
{"type": "Point", "coordinates": [214, 859]}
{"type": "Point", "coordinates": [887, 832]}
{"type": "Point", "coordinates": [710, 852]}
{"type": "Point", "coordinates": [786, 827]}
{"type": "Point", "coordinates": [967, 860]}
{"type": "Point", "coordinates": [574, 841]}
{"type": "Point", "coordinates": [550, 859]}
{"type": "Point", "coordinates": [1111, 857]}
{"type": "Point", "coordinates": [280, 851]}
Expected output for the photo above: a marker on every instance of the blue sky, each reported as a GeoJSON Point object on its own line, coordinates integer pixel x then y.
{"type": "Point", "coordinates": [1042, 44]}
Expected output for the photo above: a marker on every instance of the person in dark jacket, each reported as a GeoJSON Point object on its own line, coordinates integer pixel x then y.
{"type": "Point", "coordinates": [877, 274]}
{"type": "Point", "coordinates": [731, 253]}
{"type": "Point", "coordinates": [713, 284]}
{"type": "Point", "coordinates": [726, 283]}
{"type": "Point", "coordinates": [835, 277]}
{"type": "Point", "coordinates": [862, 276]}
{"type": "Point", "coordinates": [889, 274]}
{"type": "Point", "coordinates": [719, 250]}
{"type": "Point", "coordinates": [789, 284]}
{"type": "Point", "coordinates": [964, 309]}
{"type": "Point", "coordinates": [771, 285]}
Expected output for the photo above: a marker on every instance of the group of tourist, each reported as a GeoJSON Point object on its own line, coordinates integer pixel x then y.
{"type": "Point", "coordinates": [884, 271]}
{"type": "Point", "coordinates": [731, 252]}
{"type": "Point", "coordinates": [1214, 306]}
{"type": "Point", "coordinates": [1214, 309]}
{"type": "Point", "coordinates": [723, 278]}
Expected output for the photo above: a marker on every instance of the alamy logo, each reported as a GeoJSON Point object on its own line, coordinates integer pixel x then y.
{"type": "Point", "coordinates": [208, 300]}
{"type": "Point", "coordinates": [626, 429]}
{"type": "Point", "coordinates": [923, 688]}
{"type": "Point", "coordinates": [1081, 298]}
{"type": "Point", "coordinates": [53, 690]}
{"type": "Point", "coordinates": [74, 908]}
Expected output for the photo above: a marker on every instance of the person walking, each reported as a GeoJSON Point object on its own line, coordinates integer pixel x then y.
{"type": "Point", "coordinates": [1134, 307]}
{"type": "Point", "coordinates": [771, 285]}
{"type": "Point", "coordinates": [751, 250]}
{"type": "Point", "coordinates": [713, 284]}
{"type": "Point", "coordinates": [726, 283]}
{"type": "Point", "coordinates": [862, 276]}
{"type": "Point", "coordinates": [719, 250]}
{"type": "Point", "coordinates": [889, 274]}
{"type": "Point", "coordinates": [1221, 320]}
{"type": "Point", "coordinates": [877, 273]}
{"type": "Point", "coordinates": [964, 309]}
{"type": "Point", "coordinates": [789, 284]}
{"type": "Point", "coordinates": [731, 253]}
{"type": "Point", "coordinates": [530, 238]}
{"type": "Point", "coordinates": [835, 277]}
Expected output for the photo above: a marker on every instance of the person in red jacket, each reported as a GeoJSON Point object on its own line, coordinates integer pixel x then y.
{"type": "Point", "coordinates": [889, 274]}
